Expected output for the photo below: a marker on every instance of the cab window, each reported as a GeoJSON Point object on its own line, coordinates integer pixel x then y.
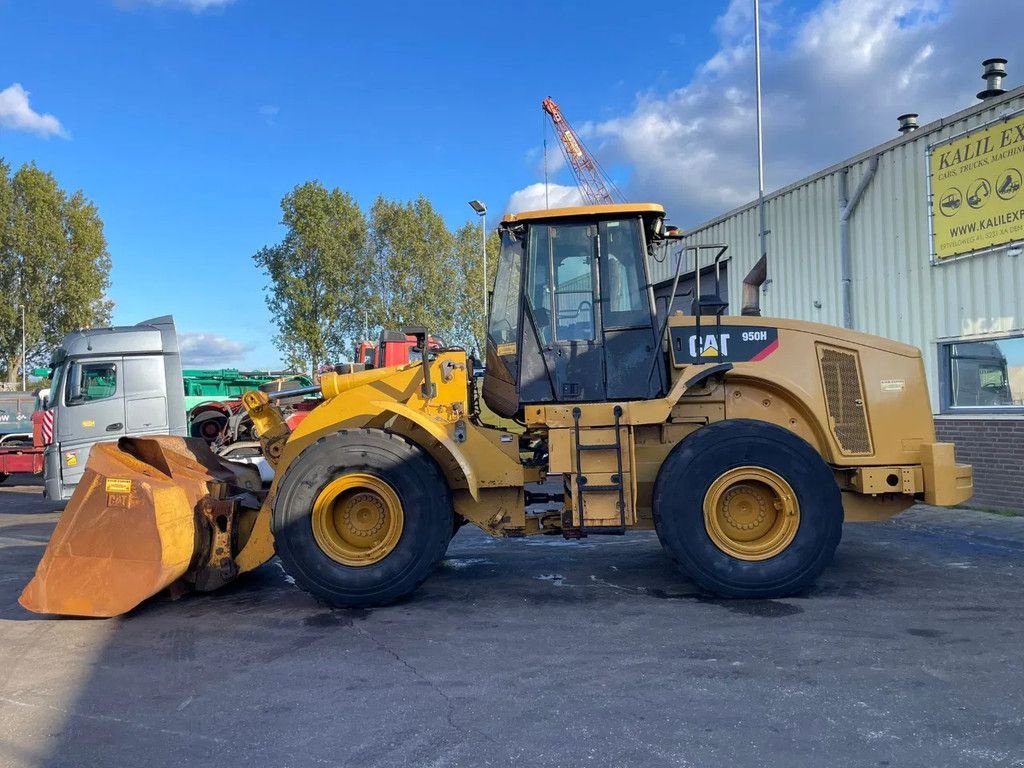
{"type": "Point", "coordinates": [504, 323]}
{"type": "Point", "coordinates": [624, 302]}
{"type": "Point", "coordinates": [95, 381]}
{"type": "Point", "coordinates": [560, 281]}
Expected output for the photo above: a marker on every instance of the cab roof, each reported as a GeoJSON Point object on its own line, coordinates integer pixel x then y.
{"type": "Point", "coordinates": [586, 210]}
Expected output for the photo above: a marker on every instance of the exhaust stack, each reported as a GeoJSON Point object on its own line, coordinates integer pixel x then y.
{"type": "Point", "coordinates": [752, 287]}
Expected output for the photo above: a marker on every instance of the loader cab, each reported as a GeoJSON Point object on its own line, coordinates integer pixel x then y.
{"type": "Point", "coordinates": [572, 313]}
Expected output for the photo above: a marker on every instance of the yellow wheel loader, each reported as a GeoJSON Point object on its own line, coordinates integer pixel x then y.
{"type": "Point", "coordinates": [743, 441]}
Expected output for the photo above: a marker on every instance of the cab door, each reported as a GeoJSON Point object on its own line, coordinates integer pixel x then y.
{"type": "Point", "coordinates": [562, 355]}
{"type": "Point", "coordinates": [634, 361]}
{"type": "Point", "coordinates": [145, 395]}
{"type": "Point", "coordinates": [92, 410]}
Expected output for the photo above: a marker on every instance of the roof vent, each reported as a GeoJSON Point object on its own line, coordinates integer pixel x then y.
{"type": "Point", "coordinates": [995, 71]}
{"type": "Point", "coordinates": [908, 122]}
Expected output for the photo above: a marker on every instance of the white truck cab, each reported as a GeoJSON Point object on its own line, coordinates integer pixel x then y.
{"type": "Point", "coordinates": [106, 383]}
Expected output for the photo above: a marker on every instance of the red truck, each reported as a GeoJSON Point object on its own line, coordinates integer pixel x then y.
{"type": "Point", "coordinates": [394, 348]}
{"type": "Point", "coordinates": [23, 454]}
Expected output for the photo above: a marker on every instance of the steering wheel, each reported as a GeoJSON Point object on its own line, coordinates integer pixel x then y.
{"type": "Point", "coordinates": [585, 308]}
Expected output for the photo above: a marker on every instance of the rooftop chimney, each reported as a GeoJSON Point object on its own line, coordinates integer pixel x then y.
{"type": "Point", "coordinates": [995, 71]}
{"type": "Point", "coordinates": [908, 122]}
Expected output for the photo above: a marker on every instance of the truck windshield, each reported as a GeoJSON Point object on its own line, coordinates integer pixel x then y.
{"type": "Point", "coordinates": [56, 381]}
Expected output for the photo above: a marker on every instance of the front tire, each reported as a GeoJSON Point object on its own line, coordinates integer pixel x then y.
{"type": "Point", "coordinates": [361, 517]}
{"type": "Point", "coordinates": [748, 510]}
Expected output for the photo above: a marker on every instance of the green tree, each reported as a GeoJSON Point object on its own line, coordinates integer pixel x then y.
{"type": "Point", "coordinates": [318, 275]}
{"type": "Point", "coordinates": [424, 274]}
{"type": "Point", "coordinates": [53, 261]}
{"type": "Point", "coordinates": [414, 282]}
{"type": "Point", "coordinates": [468, 319]}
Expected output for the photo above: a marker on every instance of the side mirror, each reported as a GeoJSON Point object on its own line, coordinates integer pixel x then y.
{"type": "Point", "coordinates": [74, 382]}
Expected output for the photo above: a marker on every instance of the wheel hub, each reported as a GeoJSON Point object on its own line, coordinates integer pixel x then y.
{"type": "Point", "coordinates": [357, 519]}
{"type": "Point", "coordinates": [364, 515]}
{"type": "Point", "coordinates": [751, 513]}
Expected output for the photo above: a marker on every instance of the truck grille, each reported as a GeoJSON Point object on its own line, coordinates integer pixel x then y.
{"type": "Point", "coordinates": [844, 399]}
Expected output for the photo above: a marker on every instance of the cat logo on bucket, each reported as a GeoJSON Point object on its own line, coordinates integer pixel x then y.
{"type": "Point", "coordinates": [733, 344]}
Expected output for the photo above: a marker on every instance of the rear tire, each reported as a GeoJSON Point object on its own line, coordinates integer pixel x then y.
{"type": "Point", "coordinates": [414, 538]}
{"type": "Point", "coordinates": [748, 510]}
{"type": "Point", "coordinates": [3, 477]}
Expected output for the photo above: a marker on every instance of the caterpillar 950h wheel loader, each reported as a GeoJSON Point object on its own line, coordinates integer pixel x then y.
{"type": "Point", "coordinates": [745, 442]}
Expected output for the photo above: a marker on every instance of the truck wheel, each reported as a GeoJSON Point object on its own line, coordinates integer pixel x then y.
{"type": "Point", "coordinates": [3, 477]}
{"type": "Point", "coordinates": [361, 517]}
{"type": "Point", "coordinates": [748, 510]}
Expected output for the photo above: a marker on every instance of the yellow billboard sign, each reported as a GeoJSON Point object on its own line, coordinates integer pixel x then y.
{"type": "Point", "coordinates": [977, 199]}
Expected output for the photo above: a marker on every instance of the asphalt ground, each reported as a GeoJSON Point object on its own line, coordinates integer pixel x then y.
{"type": "Point", "coordinates": [539, 652]}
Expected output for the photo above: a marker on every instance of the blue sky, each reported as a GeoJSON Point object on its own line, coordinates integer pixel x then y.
{"type": "Point", "coordinates": [185, 121]}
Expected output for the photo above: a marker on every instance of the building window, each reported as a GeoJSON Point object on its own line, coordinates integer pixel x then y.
{"type": "Point", "coordinates": [984, 374]}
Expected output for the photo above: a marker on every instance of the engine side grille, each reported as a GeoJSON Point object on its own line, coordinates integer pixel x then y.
{"type": "Point", "coordinates": [844, 399]}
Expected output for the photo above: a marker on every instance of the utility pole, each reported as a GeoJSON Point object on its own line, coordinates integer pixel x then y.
{"type": "Point", "coordinates": [24, 359]}
{"type": "Point", "coordinates": [760, 150]}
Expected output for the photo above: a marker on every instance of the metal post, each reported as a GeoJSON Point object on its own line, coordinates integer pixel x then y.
{"type": "Point", "coordinates": [760, 159]}
{"type": "Point", "coordinates": [847, 205]}
{"type": "Point", "coordinates": [24, 361]}
{"type": "Point", "coordinates": [547, 204]}
{"type": "Point", "coordinates": [481, 211]}
{"type": "Point", "coordinates": [483, 242]}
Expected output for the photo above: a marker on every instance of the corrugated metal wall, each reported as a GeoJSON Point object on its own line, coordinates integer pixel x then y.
{"type": "Point", "coordinates": [897, 292]}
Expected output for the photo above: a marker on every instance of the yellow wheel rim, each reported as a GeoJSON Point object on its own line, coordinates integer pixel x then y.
{"type": "Point", "coordinates": [751, 513]}
{"type": "Point", "coordinates": [357, 519]}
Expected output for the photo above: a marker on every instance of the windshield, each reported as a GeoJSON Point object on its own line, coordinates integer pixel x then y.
{"type": "Point", "coordinates": [56, 382]}
{"type": "Point", "coordinates": [503, 327]}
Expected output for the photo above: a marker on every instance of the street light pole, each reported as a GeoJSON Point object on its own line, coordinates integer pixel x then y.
{"type": "Point", "coordinates": [483, 249]}
{"type": "Point", "coordinates": [481, 211]}
{"type": "Point", "coordinates": [760, 151]}
{"type": "Point", "coordinates": [24, 361]}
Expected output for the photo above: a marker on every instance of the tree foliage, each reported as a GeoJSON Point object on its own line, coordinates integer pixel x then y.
{"type": "Point", "coordinates": [339, 275]}
{"type": "Point", "coordinates": [53, 261]}
{"type": "Point", "coordinates": [469, 319]}
{"type": "Point", "coordinates": [317, 275]}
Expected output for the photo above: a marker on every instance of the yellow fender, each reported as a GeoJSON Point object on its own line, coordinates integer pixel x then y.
{"type": "Point", "coordinates": [438, 433]}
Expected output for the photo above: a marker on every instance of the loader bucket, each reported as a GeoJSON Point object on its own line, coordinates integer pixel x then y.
{"type": "Point", "coordinates": [148, 513]}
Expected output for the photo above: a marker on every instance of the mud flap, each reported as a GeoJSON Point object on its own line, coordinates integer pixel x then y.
{"type": "Point", "coordinates": [149, 514]}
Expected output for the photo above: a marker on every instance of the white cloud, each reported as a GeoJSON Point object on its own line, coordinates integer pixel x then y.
{"type": "Point", "coordinates": [555, 160]}
{"type": "Point", "coordinates": [17, 115]}
{"type": "Point", "coordinates": [210, 349]}
{"type": "Point", "coordinates": [532, 198]}
{"type": "Point", "coordinates": [834, 78]}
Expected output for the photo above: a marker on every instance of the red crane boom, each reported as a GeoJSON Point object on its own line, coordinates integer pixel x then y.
{"type": "Point", "coordinates": [592, 182]}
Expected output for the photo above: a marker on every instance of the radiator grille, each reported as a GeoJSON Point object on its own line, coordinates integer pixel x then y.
{"type": "Point", "coordinates": [844, 399]}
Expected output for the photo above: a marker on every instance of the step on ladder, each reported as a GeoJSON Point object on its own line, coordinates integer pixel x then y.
{"type": "Point", "coordinates": [616, 482]}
